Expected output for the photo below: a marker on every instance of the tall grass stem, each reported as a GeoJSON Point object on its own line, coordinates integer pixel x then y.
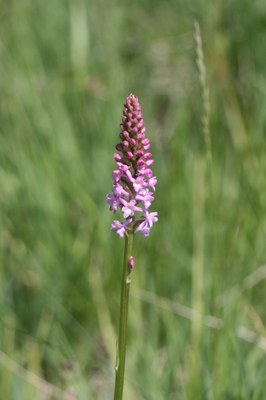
{"type": "Point", "coordinates": [205, 93]}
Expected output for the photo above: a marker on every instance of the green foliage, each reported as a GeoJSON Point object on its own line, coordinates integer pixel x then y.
{"type": "Point", "coordinates": [65, 70]}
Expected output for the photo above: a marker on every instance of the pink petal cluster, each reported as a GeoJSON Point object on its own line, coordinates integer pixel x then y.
{"type": "Point", "coordinates": [134, 183]}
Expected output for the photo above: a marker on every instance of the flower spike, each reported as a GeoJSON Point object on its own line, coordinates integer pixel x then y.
{"type": "Point", "coordinates": [134, 183]}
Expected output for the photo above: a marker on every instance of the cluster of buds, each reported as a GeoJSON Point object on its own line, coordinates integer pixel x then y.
{"type": "Point", "coordinates": [134, 183]}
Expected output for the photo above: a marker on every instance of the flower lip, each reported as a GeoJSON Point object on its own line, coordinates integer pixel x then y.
{"type": "Point", "coordinates": [121, 227]}
{"type": "Point", "coordinates": [129, 208]}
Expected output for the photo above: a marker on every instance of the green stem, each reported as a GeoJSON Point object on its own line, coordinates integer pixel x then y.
{"type": "Point", "coordinates": [122, 339]}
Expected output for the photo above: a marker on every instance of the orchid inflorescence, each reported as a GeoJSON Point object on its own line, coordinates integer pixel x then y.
{"type": "Point", "coordinates": [134, 183]}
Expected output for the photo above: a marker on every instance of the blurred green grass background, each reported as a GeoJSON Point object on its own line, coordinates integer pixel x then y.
{"type": "Point", "coordinates": [65, 70]}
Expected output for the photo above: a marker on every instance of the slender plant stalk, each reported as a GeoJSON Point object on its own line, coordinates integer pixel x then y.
{"type": "Point", "coordinates": [133, 193]}
{"type": "Point", "coordinates": [122, 339]}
